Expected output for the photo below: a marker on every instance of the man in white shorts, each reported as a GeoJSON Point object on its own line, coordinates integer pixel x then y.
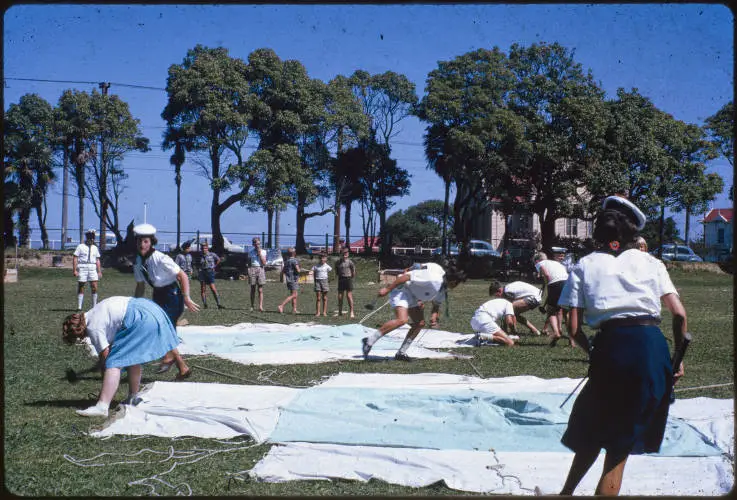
{"type": "Point", "coordinates": [257, 273]}
{"type": "Point", "coordinates": [488, 318]}
{"type": "Point", "coordinates": [523, 296]}
{"type": "Point", "coordinates": [409, 292]}
{"type": "Point", "coordinates": [87, 267]}
{"type": "Point", "coordinates": [554, 275]}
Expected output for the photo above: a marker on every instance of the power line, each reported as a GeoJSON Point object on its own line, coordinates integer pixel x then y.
{"type": "Point", "coordinates": [117, 84]}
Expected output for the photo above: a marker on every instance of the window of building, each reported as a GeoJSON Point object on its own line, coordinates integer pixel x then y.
{"type": "Point", "coordinates": [720, 235]}
{"type": "Point", "coordinates": [571, 227]}
{"type": "Point", "coordinates": [525, 222]}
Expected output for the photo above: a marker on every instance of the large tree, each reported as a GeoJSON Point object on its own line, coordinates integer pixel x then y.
{"type": "Point", "coordinates": [28, 155]}
{"type": "Point", "coordinates": [420, 224]}
{"type": "Point", "coordinates": [720, 126]}
{"type": "Point", "coordinates": [121, 133]}
{"type": "Point", "coordinates": [209, 109]}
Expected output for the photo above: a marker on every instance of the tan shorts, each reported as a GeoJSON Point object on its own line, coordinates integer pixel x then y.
{"type": "Point", "coordinates": [256, 275]}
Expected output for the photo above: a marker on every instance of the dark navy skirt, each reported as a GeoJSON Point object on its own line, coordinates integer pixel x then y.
{"type": "Point", "coordinates": [171, 301]}
{"type": "Point", "coordinates": [623, 407]}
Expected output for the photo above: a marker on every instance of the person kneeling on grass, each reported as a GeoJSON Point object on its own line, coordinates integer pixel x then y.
{"type": "Point", "coordinates": [523, 296]}
{"type": "Point", "coordinates": [126, 332]}
{"type": "Point", "coordinates": [487, 319]}
{"type": "Point", "coordinates": [409, 292]}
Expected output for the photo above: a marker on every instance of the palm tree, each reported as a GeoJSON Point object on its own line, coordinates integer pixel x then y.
{"type": "Point", "coordinates": [177, 160]}
{"type": "Point", "coordinates": [441, 162]}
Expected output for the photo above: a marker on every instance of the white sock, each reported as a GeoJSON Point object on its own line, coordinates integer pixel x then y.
{"type": "Point", "coordinates": [374, 337]}
{"type": "Point", "coordinates": [103, 406]}
{"type": "Point", "coordinates": [94, 299]}
{"type": "Point", "coordinates": [80, 299]}
{"type": "Point", "coordinates": [405, 345]}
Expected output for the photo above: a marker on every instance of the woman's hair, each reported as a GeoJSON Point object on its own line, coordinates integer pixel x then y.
{"type": "Point", "coordinates": [455, 274]}
{"type": "Point", "coordinates": [186, 246]}
{"type": "Point", "coordinates": [539, 256]}
{"type": "Point", "coordinates": [74, 328]}
{"type": "Point", "coordinates": [613, 225]}
{"type": "Point", "coordinates": [154, 240]}
{"type": "Point", "coordinates": [640, 243]}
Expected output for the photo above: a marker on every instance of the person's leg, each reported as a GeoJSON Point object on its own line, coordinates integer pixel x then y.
{"type": "Point", "coordinates": [349, 296]}
{"type": "Point", "coordinates": [215, 293]}
{"type": "Point", "coordinates": [417, 315]}
{"type": "Point", "coordinates": [261, 298]}
{"type": "Point", "coordinates": [253, 295]}
{"type": "Point", "coordinates": [401, 316]}
{"type": "Point", "coordinates": [324, 303]}
{"type": "Point", "coordinates": [134, 380]}
{"type": "Point", "coordinates": [502, 337]}
{"type": "Point", "coordinates": [203, 295]}
{"type": "Point", "coordinates": [318, 302]}
{"type": "Point", "coordinates": [294, 302]}
{"type": "Point", "coordinates": [340, 302]}
{"type": "Point", "coordinates": [582, 462]}
{"type": "Point", "coordinates": [80, 294]}
{"type": "Point", "coordinates": [280, 307]}
{"type": "Point", "coordinates": [611, 478]}
{"type": "Point", "coordinates": [93, 287]}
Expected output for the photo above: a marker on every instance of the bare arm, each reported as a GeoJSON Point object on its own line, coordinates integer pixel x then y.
{"type": "Point", "coordinates": [574, 329]}
{"type": "Point", "coordinates": [680, 325]}
{"type": "Point", "coordinates": [75, 259]}
{"type": "Point", "coordinates": [184, 284]}
{"type": "Point", "coordinates": [140, 288]}
{"type": "Point", "coordinates": [102, 358]}
{"type": "Point", "coordinates": [99, 268]}
{"type": "Point", "coordinates": [401, 280]}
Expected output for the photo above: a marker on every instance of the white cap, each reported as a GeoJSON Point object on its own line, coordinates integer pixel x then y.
{"type": "Point", "coordinates": [144, 230]}
{"type": "Point", "coordinates": [626, 207]}
{"type": "Point", "coordinates": [90, 231]}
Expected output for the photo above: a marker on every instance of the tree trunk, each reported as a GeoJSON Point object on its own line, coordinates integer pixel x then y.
{"type": "Point", "coordinates": [299, 244]}
{"type": "Point", "coordinates": [688, 224]}
{"type": "Point", "coordinates": [277, 228]}
{"type": "Point", "coordinates": [547, 229]}
{"type": "Point", "coordinates": [348, 222]}
{"type": "Point", "coordinates": [8, 234]}
{"type": "Point", "coordinates": [661, 233]}
{"type": "Point", "coordinates": [269, 222]}
{"type": "Point", "coordinates": [340, 185]}
{"type": "Point", "coordinates": [24, 229]}
{"type": "Point", "coordinates": [65, 195]}
{"type": "Point", "coordinates": [80, 200]}
{"type": "Point", "coordinates": [446, 207]}
{"type": "Point", "coordinates": [178, 181]}
{"type": "Point", "coordinates": [215, 208]}
{"type": "Point", "coordinates": [42, 226]}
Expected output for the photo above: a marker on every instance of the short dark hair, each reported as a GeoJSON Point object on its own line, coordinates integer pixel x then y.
{"type": "Point", "coordinates": [613, 225]}
{"type": "Point", "coordinates": [154, 240]}
{"type": "Point", "coordinates": [494, 287]}
{"type": "Point", "coordinates": [186, 246]}
{"type": "Point", "coordinates": [456, 274]}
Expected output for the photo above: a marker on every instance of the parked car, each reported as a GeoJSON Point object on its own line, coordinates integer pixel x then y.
{"type": "Point", "coordinates": [477, 248]}
{"type": "Point", "coordinates": [195, 247]}
{"type": "Point", "coordinates": [680, 253]}
{"type": "Point", "coordinates": [274, 259]}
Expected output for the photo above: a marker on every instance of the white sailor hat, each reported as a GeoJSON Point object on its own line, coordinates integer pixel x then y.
{"type": "Point", "coordinates": [90, 231]}
{"type": "Point", "coordinates": [144, 230]}
{"type": "Point", "coordinates": [626, 207]}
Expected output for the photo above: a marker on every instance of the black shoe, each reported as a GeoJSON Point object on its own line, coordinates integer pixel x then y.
{"type": "Point", "coordinates": [221, 306]}
{"type": "Point", "coordinates": [402, 357]}
{"type": "Point", "coordinates": [365, 347]}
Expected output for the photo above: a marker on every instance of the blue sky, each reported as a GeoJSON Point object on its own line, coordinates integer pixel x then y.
{"type": "Point", "coordinates": [680, 56]}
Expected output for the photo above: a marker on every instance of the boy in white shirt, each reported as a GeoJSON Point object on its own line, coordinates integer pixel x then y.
{"type": "Point", "coordinates": [86, 264]}
{"type": "Point", "coordinates": [488, 319]}
{"type": "Point", "coordinates": [554, 275]}
{"type": "Point", "coordinates": [523, 296]}
{"type": "Point", "coordinates": [320, 273]}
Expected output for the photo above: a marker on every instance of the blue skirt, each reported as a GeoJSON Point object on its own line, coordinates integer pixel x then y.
{"type": "Point", "coordinates": [146, 335]}
{"type": "Point", "coordinates": [171, 301]}
{"type": "Point", "coordinates": [623, 407]}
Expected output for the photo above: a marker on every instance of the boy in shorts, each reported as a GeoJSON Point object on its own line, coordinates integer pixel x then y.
{"type": "Point", "coordinates": [257, 272]}
{"type": "Point", "coordinates": [208, 264]}
{"type": "Point", "coordinates": [321, 284]}
{"type": "Point", "coordinates": [346, 272]}
{"type": "Point", "coordinates": [291, 271]}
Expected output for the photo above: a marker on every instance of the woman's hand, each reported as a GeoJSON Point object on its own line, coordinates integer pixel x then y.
{"type": "Point", "coordinates": [679, 373]}
{"type": "Point", "coordinates": [190, 304]}
{"type": "Point", "coordinates": [383, 292]}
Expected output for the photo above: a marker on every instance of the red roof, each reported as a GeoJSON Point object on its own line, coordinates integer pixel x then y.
{"type": "Point", "coordinates": [361, 242]}
{"type": "Point", "coordinates": [719, 214]}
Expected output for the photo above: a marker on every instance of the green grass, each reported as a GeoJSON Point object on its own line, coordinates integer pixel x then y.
{"type": "Point", "coordinates": [41, 426]}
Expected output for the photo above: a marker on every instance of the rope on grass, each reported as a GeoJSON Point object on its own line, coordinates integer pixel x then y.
{"type": "Point", "coordinates": [179, 457]}
{"type": "Point", "coordinates": [373, 312]}
{"type": "Point", "coordinates": [680, 389]}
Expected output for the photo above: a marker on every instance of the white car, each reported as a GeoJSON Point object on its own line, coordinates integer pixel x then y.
{"type": "Point", "coordinates": [207, 237]}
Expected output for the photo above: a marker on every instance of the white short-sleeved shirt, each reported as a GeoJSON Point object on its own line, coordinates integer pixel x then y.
{"type": "Point", "coordinates": [608, 287]}
{"type": "Point", "coordinates": [162, 270]}
{"type": "Point", "coordinates": [555, 269]}
{"type": "Point", "coordinates": [427, 283]}
{"type": "Point", "coordinates": [254, 257]}
{"type": "Point", "coordinates": [496, 308]}
{"type": "Point", "coordinates": [86, 254]}
{"type": "Point", "coordinates": [320, 272]}
{"type": "Point", "coordinates": [105, 320]}
{"type": "Point", "coordinates": [521, 290]}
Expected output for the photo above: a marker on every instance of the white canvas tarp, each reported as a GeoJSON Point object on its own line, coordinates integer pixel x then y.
{"type": "Point", "coordinates": [700, 446]}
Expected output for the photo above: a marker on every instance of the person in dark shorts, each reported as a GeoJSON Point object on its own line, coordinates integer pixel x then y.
{"type": "Point", "coordinates": [208, 265]}
{"type": "Point", "coordinates": [184, 260]}
{"type": "Point", "coordinates": [346, 270]}
{"type": "Point", "coordinates": [617, 290]}
{"type": "Point", "coordinates": [554, 275]}
{"type": "Point", "coordinates": [291, 271]}
{"type": "Point", "coordinates": [320, 272]}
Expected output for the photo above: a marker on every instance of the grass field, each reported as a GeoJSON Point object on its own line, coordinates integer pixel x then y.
{"type": "Point", "coordinates": [41, 427]}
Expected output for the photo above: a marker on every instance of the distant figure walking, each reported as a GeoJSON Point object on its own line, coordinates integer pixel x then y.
{"type": "Point", "coordinates": [290, 272]}
{"type": "Point", "coordinates": [87, 267]}
{"type": "Point", "coordinates": [257, 272]}
{"type": "Point", "coordinates": [346, 274]}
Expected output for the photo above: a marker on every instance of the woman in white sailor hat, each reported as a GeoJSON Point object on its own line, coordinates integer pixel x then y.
{"type": "Point", "coordinates": [170, 284]}
{"type": "Point", "coordinates": [618, 290]}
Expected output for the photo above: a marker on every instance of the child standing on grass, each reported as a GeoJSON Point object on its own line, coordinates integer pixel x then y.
{"type": "Point", "coordinates": [208, 264]}
{"type": "Point", "coordinates": [291, 271]}
{"type": "Point", "coordinates": [320, 273]}
{"type": "Point", "coordinates": [346, 272]}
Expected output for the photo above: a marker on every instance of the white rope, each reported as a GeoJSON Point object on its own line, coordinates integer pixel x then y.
{"type": "Point", "coordinates": [703, 387]}
{"type": "Point", "coordinates": [373, 312]}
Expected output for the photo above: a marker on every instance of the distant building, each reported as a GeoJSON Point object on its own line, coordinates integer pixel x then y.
{"type": "Point", "coordinates": [718, 233]}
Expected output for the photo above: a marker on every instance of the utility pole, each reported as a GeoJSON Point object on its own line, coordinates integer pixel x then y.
{"type": "Point", "coordinates": [104, 86]}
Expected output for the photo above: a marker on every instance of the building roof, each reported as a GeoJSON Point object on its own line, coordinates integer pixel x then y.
{"type": "Point", "coordinates": [719, 214]}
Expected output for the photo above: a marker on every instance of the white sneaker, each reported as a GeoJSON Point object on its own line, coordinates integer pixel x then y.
{"type": "Point", "coordinates": [513, 337]}
{"type": "Point", "coordinates": [93, 411]}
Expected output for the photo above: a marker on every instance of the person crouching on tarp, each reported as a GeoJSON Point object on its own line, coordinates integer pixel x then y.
{"type": "Point", "coordinates": [126, 332]}
{"type": "Point", "coordinates": [408, 293]}
{"type": "Point", "coordinates": [623, 408]}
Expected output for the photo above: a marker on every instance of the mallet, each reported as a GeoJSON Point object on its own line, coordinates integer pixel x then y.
{"type": "Point", "coordinates": [372, 305]}
{"type": "Point", "coordinates": [678, 359]}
